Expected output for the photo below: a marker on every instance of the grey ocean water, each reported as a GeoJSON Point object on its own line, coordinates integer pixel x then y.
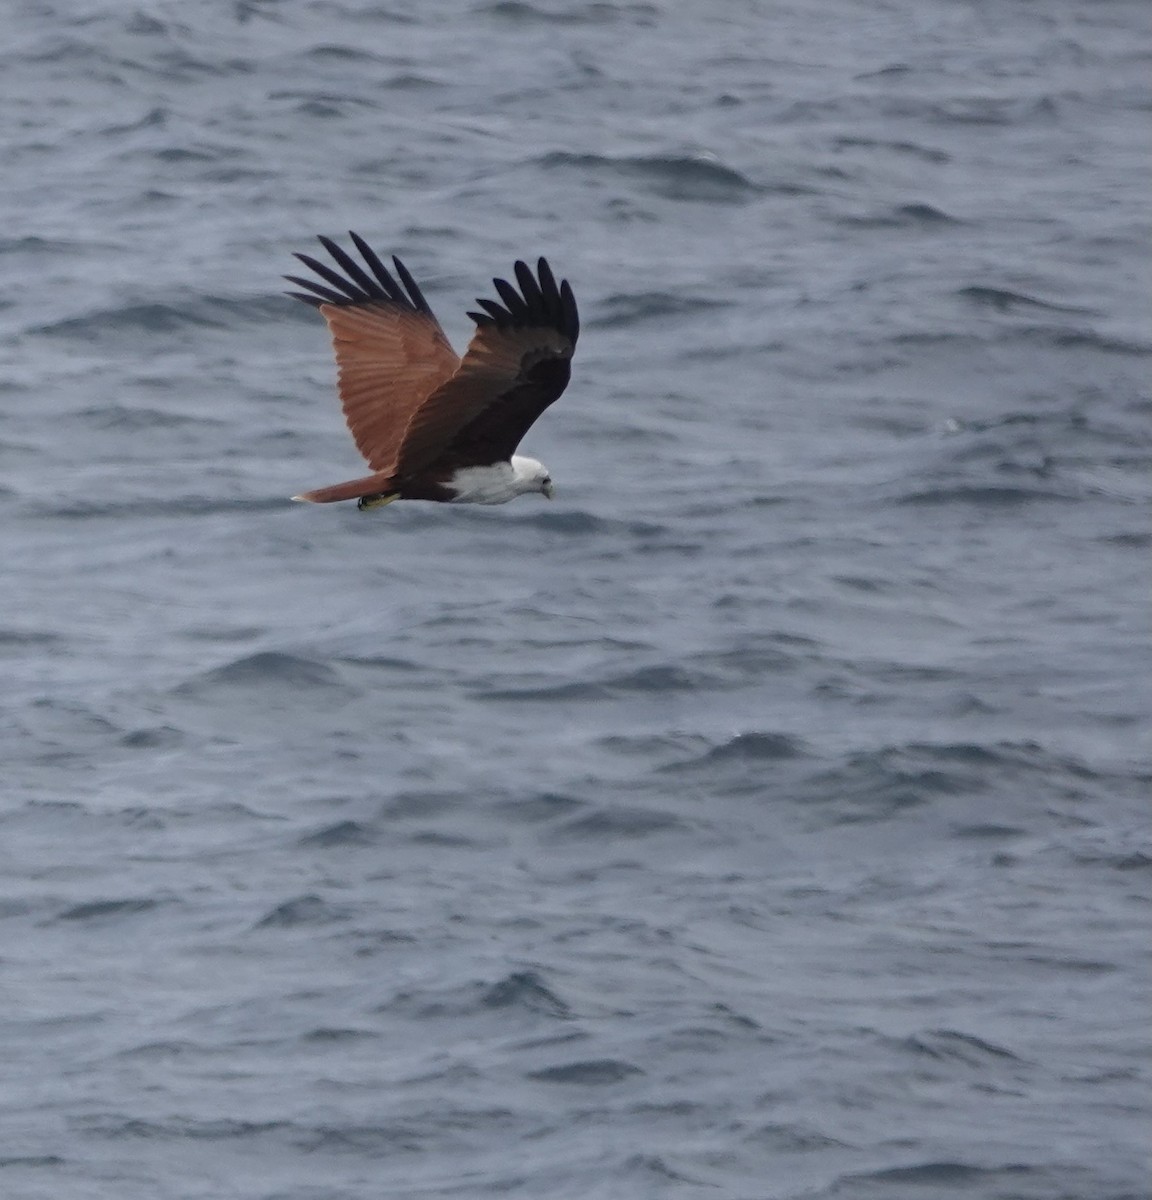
{"type": "Point", "coordinates": [764, 819]}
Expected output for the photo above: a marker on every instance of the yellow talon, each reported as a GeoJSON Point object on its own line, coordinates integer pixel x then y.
{"type": "Point", "coordinates": [366, 502]}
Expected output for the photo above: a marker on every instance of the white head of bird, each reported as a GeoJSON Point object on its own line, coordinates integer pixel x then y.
{"type": "Point", "coordinates": [532, 476]}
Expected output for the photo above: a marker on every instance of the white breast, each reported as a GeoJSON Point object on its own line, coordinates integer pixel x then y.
{"type": "Point", "coordinates": [496, 484]}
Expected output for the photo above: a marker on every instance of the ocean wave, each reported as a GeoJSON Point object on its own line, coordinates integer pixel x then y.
{"type": "Point", "coordinates": [107, 910]}
{"type": "Point", "coordinates": [1004, 300]}
{"type": "Point", "coordinates": [610, 824]}
{"type": "Point", "coordinates": [624, 309]}
{"type": "Point", "coordinates": [154, 737]}
{"type": "Point", "coordinates": [949, 1045]}
{"type": "Point", "coordinates": [945, 1173]}
{"type": "Point", "coordinates": [340, 833]}
{"type": "Point", "coordinates": [342, 54]}
{"type": "Point", "coordinates": [38, 246]}
{"type": "Point", "coordinates": [557, 692]}
{"type": "Point", "coordinates": [672, 177]}
{"type": "Point", "coordinates": [199, 312]}
{"type": "Point", "coordinates": [1011, 335]}
{"type": "Point", "coordinates": [123, 418]}
{"type": "Point", "coordinates": [267, 669]}
{"type": "Point", "coordinates": [127, 318]}
{"type": "Point", "coordinates": [931, 154]}
{"type": "Point", "coordinates": [528, 991]}
{"type": "Point", "coordinates": [1018, 111]}
{"type": "Point", "coordinates": [591, 12]}
{"type": "Point", "coordinates": [515, 995]}
{"type": "Point", "coordinates": [903, 216]}
{"type": "Point", "coordinates": [986, 495]}
{"type": "Point", "coordinates": [650, 746]}
{"type": "Point", "coordinates": [1063, 338]}
{"type": "Point", "coordinates": [1072, 454]}
{"type": "Point", "coordinates": [303, 910]}
{"type": "Point", "coordinates": [745, 748]}
{"type": "Point", "coordinates": [152, 505]}
{"type": "Point", "coordinates": [117, 1128]}
{"type": "Point", "coordinates": [579, 523]}
{"type": "Point", "coordinates": [328, 1035]}
{"type": "Point", "coordinates": [35, 639]}
{"type": "Point", "coordinates": [881, 784]}
{"type": "Point", "coordinates": [654, 679]}
{"type": "Point", "coordinates": [594, 1072]}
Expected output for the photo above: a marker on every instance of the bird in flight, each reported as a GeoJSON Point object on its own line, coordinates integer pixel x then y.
{"type": "Point", "coordinates": [431, 425]}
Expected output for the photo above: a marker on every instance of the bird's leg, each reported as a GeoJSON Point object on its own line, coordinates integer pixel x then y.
{"type": "Point", "coordinates": [378, 501]}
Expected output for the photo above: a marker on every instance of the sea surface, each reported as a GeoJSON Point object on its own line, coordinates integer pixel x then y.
{"type": "Point", "coordinates": [766, 818]}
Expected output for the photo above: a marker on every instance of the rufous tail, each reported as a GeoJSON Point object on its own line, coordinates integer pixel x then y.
{"type": "Point", "coordinates": [370, 485]}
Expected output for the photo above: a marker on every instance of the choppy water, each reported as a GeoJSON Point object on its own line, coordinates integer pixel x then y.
{"type": "Point", "coordinates": [764, 819]}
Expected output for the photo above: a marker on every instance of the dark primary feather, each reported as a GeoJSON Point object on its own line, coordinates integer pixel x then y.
{"type": "Point", "coordinates": [528, 285]}
{"type": "Point", "coordinates": [539, 304]}
{"type": "Point", "coordinates": [355, 285]}
{"type": "Point", "coordinates": [352, 268]}
{"type": "Point", "coordinates": [410, 283]}
{"type": "Point", "coordinates": [512, 302]}
{"type": "Point", "coordinates": [494, 311]}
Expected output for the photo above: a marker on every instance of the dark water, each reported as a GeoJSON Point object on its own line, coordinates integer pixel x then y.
{"type": "Point", "coordinates": [764, 819]}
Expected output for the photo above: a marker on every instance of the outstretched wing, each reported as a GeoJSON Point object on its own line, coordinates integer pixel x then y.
{"type": "Point", "coordinates": [516, 365]}
{"type": "Point", "coordinates": [391, 352]}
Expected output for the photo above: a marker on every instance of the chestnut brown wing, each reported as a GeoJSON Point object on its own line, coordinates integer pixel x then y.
{"type": "Point", "coordinates": [391, 352]}
{"type": "Point", "coordinates": [517, 364]}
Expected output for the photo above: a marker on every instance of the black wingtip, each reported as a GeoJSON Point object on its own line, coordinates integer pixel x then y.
{"type": "Point", "coordinates": [496, 314]}
{"type": "Point", "coordinates": [320, 294]}
{"type": "Point", "coordinates": [352, 284]}
{"type": "Point", "coordinates": [517, 305]}
{"type": "Point", "coordinates": [539, 301]}
{"type": "Point", "coordinates": [529, 288]}
{"type": "Point", "coordinates": [314, 301]}
{"type": "Point", "coordinates": [571, 315]}
{"type": "Point", "coordinates": [414, 292]}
